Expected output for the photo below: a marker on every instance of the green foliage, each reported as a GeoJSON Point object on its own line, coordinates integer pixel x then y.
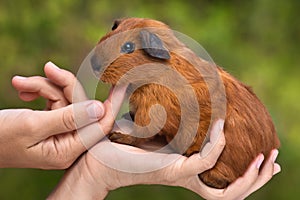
{"type": "Point", "coordinates": [257, 41]}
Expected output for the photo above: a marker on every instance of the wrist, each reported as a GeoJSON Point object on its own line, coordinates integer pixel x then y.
{"type": "Point", "coordinates": [78, 183]}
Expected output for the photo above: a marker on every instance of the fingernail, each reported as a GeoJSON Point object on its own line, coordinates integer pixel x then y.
{"type": "Point", "coordinates": [20, 77]}
{"type": "Point", "coordinates": [95, 110]}
{"type": "Point", "coordinates": [275, 154]}
{"type": "Point", "coordinates": [277, 169]}
{"type": "Point", "coordinates": [260, 161]}
{"type": "Point", "coordinates": [216, 130]}
{"type": "Point", "coordinates": [221, 124]}
{"type": "Point", "coordinates": [52, 65]}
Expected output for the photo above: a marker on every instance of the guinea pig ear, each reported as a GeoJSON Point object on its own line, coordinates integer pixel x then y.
{"type": "Point", "coordinates": [153, 45]}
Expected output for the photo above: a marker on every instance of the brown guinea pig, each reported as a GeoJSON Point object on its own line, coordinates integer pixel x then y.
{"type": "Point", "coordinates": [163, 71]}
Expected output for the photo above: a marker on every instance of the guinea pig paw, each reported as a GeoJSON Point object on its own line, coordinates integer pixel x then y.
{"type": "Point", "coordinates": [115, 136]}
{"type": "Point", "coordinates": [122, 138]}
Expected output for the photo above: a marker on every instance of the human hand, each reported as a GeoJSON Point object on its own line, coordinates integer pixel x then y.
{"type": "Point", "coordinates": [44, 139]}
{"type": "Point", "coordinates": [253, 179]}
{"type": "Point", "coordinates": [48, 139]}
{"type": "Point", "coordinates": [97, 178]}
{"type": "Point", "coordinates": [108, 166]}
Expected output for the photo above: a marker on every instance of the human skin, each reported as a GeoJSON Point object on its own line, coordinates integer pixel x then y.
{"type": "Point", "coordinates": [45, 139]}
{"type": "Point", "coordinates": [89, 178]}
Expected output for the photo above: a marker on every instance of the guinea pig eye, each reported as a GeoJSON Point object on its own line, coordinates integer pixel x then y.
{"type": "Point", "coordinates": [128, 47]}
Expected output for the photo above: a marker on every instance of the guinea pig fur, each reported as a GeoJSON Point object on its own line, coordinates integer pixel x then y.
{"type": "Point", "coordinates": [248, 127]}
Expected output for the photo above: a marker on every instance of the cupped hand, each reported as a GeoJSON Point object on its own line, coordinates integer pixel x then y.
{"type": "Point", "coordinates": [253, 179]}
{"type": "Point", "coordinates": [94, 173]}
{"type": "Point", "coordinates": [95, 177]}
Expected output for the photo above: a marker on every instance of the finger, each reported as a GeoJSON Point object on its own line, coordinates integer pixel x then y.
{"type": "Point", "coordinates": [37, 86]}
{"type": "Point", "coordinates": [112, 107]}
{"type": "Point", "coordinates": [73, 90]}
{"type": "Point", "coordinates": [235, 189]}
{"type": "Point", "coordinates": [90, 135]}
{"type": "Point", "coordinates": [199, 163]}
{"type": "Point", "coordinates": [69, 118]}
{"type": "Point", "coordinates": [134, 160]}
{"type": "Point", "coordinates": [215, 134]}
{"type": "Point", "coordinates": [28, 96]}
{"type": "Point", "coordinates": [277, 169]}
{"type": "Point", "coordinates": [53, 105]}
{"type": "Point", "coordinates": [242, 184]}
{"type": "Point", "coordinates": [50, 105]}
{"type": "Point", "coordinates": [266, 173]}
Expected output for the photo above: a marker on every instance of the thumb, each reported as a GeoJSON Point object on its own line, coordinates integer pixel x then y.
{"type": "Point", "coordinates": [71, 117]}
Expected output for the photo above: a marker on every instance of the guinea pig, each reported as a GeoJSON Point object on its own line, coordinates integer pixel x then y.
{"type": "Point", "coordinates": [148, 49]}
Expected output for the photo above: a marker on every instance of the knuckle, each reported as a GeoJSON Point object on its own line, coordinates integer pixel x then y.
{"type": "Point", "coordinates": [68, 120]}
{"type": "Point", "coordinates": [71, 77]}
{"type": "Point", "coordinates": [208, 163]}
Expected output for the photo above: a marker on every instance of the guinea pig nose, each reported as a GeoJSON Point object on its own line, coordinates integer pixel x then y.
{"type": "Point", "coordinates": [96, 64]}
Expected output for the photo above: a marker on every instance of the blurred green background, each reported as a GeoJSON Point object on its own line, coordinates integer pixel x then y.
{"type": "Point", "coordinates": [256, 41]}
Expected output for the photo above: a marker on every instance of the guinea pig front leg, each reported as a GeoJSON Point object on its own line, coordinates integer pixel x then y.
{"type": "Point", "coordinates": [125, 139]}
{"type": "Point", "coordinates": [121, 132]}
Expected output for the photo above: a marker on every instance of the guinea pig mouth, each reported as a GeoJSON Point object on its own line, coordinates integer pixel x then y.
{"type": "Point", "coordinates": [116, 83]}
{"type": "Point", "coordinates": [113, 79]}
